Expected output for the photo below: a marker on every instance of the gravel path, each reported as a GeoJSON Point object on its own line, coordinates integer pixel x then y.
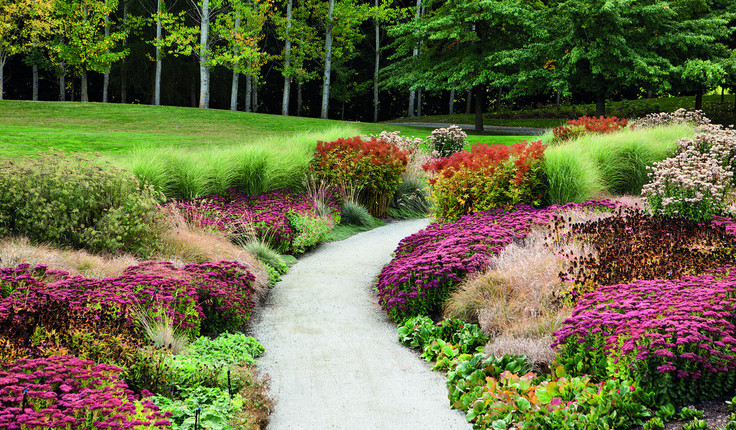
{"type": "Point", "coordinates": [501, 129]}
{"type": "Point", "coordinates": [333, 356]}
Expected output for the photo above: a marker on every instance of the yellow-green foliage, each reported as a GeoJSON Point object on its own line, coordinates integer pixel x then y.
{"type": "Point", "coordinates": [71, 200]}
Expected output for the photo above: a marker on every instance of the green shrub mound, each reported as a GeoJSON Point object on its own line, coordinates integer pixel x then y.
{"type": "Point", "coordinates": [70, 200]}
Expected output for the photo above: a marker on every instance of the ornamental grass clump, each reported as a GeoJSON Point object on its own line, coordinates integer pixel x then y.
{"type": "Point", "coordinates": [674, 337]}
{"type": "Point", "coordinates": [69, 393]}
{"type": "Point", "coordinates": [373, 166]}
{"type": "Point", "coordinates": [487, 177]}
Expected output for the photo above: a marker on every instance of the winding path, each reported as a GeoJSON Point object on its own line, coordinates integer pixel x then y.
{"type": "Point", "coordinates": [332, 354]}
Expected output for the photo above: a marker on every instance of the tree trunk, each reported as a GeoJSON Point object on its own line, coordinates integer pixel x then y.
{"type": "Point", "coordinates": [255, 95]}
{"type": "Point", "coordinates": [236, 75]}
{"type": "Point", "coordinates": [468, 103]}
{"type": "Point", "coordinates": [498, 98]}
{"type": "Point", "coordinates": [723, 95]}
{"type": "Point", "coordinates": [299, 104]}
{"type": "Point", "coordinates": [600, 102]}
{"type": "Point", "coordinates": [2, 76]}
{"type": "Point", "coordinates": [699, 100]}
{"type": "Point", "coordinates": [106, 79]}
{"type": "Point", "coordinates": [85, 96]}
{"type": "Point", "coordinates": [419, 102]}
{"type": "Point", "coordinates": [62, 83]}
{"type": "Point", "coordinates": [124, 63]}
{"type": "Point", "coordinates": [558, 97]}
{"type": "Point", "coordinates": [376, 69]}
{"type": "Point", "coordinates": [287, 62]}
{"type": "Point", "coordinates": [35, 83]}
{"type": "Point", "coordinates": [415, 53]}
{"type": "Point", "coordinates": [649, 94]}
{"type": "Point", "coordinates": [248, 90]}
{"type": "Point", "coordinates": [328, 62]}
{"type": "Point", "coordinates": [451, 110]}
{"type": "Point", "coordinates": [159, 35]}
{"type": "Point", "coordinates": [479, 98]}
{"type": "Point", "coordinates": [204, 69]}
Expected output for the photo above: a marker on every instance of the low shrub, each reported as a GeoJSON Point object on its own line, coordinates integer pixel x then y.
{"type": "Point", "coordinates": [487, 177]}
{"type": "Point", "coordinates": [66, 392]}
{"type": "Point", "coordinates": [70, 200]}
{"type": "Point", "coordinates": [674, 337]}
{"type": "Point", "coordinates": [422, 333]}
{"type": "Point", "coordinates": [373, 166]}
{"type": "Point", "coordinates": [589, 125]}
{"type": "Point", "coordinates": [309, 230]}
{"type": "Point", "coordinates": [447, 141]}
{"type": "Point", "coordinates": [634, 246]}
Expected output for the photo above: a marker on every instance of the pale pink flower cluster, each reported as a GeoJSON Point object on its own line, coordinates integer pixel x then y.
{"type": "Point", "coordinates": [680, 116]}
{"type": "Point", "coordinates": [416, 152]}
{"type": "Point", "coordinates": [447, 141]}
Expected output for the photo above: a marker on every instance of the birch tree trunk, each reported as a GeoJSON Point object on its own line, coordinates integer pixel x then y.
{"type": "Point", "coordinates": [62, 83]}
{"type": "Point", "coordinates": [376, 69]}
{"type": "Point", "coordinates": [452, 102]}
{"type": "Point", "coordinates": [248, 90]}
{"type": "Point", "coordinates": [236, 75]}
{"type": "Point", "coordinates": [3, 59]}
{"type": "Point", "coordinates": [412, 93]}
{"type": "Point", "coordinates": [419, 102]}
{"type": "Point", "coordinates": [204, 70]}
{"type": "Point", "coordinates": [124, 63]}
{"type": "Point", "coordinates": [287, 61]}
{"type": "Point", "coordinates": [106, 79]}
{"type": "Point", "coordinates": [254, 84]}
{"type": "Point", "coordinates": [299, 103]}
{"type": "Point", "coordinates": [85, 96]}
{"type": "Point", "coordinates": [159, 35]}
{"type": "Point", "coordinates": [35, 82]}
{"type": "Point", "coordinates": [328, 62]}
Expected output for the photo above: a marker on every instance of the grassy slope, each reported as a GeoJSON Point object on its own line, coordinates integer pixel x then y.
{"type": "Point", "coordinates": [114, 128]}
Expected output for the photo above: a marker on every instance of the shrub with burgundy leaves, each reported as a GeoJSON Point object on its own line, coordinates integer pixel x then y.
{"type": "Point", "coordinates": [428, 264]}
{"type": "Point", "coordinates": [373, 166]}
{"type": "Point", "coordinates": [69, 393]}
{"type": "Point", "coordinates": [675, 337]}
{"type": "Point", "coordinates": [588, 125]}
{"type": "Point", "coordinates": [487, 177]}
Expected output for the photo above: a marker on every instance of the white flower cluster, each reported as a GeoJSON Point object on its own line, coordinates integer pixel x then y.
{"type": "Point", "coordinates": [447, 141]}
{"type": "Point", "coordinates": [695, 181]}
{"type": "Point", "coordinates": [416, 153]}
{"type": "Point", "coordinates": [680, 116]}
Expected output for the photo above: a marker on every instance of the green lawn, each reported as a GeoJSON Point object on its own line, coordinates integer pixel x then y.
{"type": "Point", "coordinates": [113, 128]}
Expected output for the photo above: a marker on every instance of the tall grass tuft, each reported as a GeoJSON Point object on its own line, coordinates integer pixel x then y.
{"type": "Point", "coordinates": [570, 177]}
{"type": "Point", "coordinates": [254, 167]}
{"type": "Point", "coordinates": [616, 163]}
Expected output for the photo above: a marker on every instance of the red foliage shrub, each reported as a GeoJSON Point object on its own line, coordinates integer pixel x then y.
{"type": "Point", "coordinates": [373, 166]}
{"type": "Point", "coordinates": [486, 177]}
{"type": "Point", "coordinates": [589, 125]}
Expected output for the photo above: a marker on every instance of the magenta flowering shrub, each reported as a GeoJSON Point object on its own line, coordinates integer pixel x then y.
{"type": "Point", "coordinates": [265, 216]}
{"type": "Point", "coordinates": [214, 297]}
{"type": "Point", "coordinates": [428, 264]}
{"type": "Point", "coordinates": [65, 392]}
{"type": "Point", "coordinates": [675, 337]}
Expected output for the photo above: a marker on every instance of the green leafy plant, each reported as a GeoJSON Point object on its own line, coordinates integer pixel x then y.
{"type": "Point", "coordinates": [71, 200]}
{"type": "Point", "coordinates": [654, 423]}
{"type": "Point", "coordinates": [690, 412]}
{"type": "Point", "coordinates": [309, 230]}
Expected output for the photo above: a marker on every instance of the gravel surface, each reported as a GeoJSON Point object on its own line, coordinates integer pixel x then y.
{"type": "Point", "coordinates": [515, 131]}
{"type": "Point", "coordinates": [332, 354]}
